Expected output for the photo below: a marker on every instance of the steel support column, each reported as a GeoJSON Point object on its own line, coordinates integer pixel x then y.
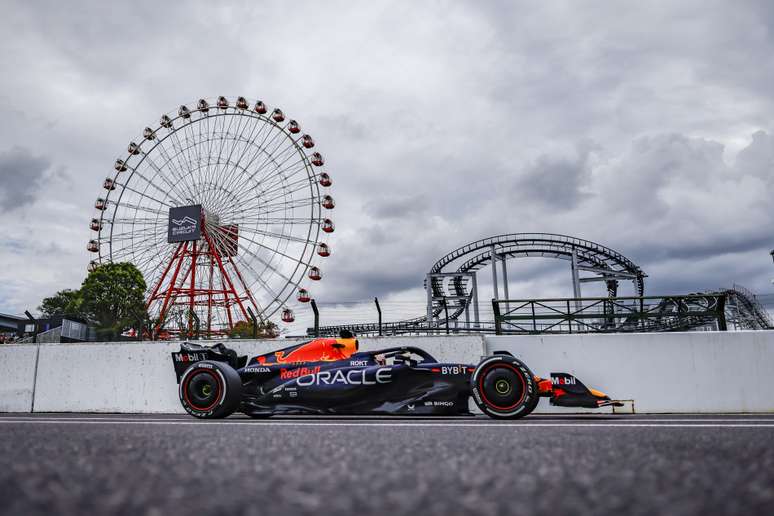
{"type": "Point", "coordinates": [494, 273]}
{"type": "Point", "coordinates": [576, 290]}
{"type": "Point", "coordinates": [505, 280]}
{"type": "Point", "coordinates": [429, 288]}
{"type": "Point", "coordinates": [476, 318]}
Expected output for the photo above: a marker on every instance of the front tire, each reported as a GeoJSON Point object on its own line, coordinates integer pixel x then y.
{"type": "Point", "coordinates": [210, 390]}
{"type": "Point", "coordinates": [504, 388]}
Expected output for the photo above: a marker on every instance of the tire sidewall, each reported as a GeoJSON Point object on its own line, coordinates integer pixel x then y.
{"type": "Point", "coordinates": [229, 385]}
{"type": "Point", "coordinates": [524, 406]}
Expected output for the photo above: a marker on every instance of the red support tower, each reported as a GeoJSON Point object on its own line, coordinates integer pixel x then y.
{"type": "Point", "coordinates": [178, 284]}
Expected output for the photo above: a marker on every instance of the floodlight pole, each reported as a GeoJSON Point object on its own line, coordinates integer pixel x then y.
{"type": "Point", "coordinates": [197, 322]}
{"type": "Point", "coordinates": [379, 310]}
{"type": "Point", "coordinates": [34, 326]}
{"type": "Point", "coordinates": [255, 323]}
{"type": "Point", "coordinates": [316, 318]}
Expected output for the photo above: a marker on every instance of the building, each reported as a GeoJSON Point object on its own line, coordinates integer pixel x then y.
{"type": "Point", "coordinates": [10, 326]}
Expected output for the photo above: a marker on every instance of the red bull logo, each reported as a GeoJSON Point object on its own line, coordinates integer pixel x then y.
{"type": "Point", "coordinates": [289, 374]}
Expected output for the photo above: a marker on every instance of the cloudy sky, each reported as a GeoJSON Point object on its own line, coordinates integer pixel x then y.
{"type": "Point", "coordinates": [645, 126]}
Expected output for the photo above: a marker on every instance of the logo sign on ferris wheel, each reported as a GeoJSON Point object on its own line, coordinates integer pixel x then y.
{"type": "Point", "coordinates": [184, 223]}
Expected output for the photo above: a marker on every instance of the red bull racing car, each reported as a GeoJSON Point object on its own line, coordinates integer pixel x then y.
{"type": "Point", "coordinates": [331, 376]}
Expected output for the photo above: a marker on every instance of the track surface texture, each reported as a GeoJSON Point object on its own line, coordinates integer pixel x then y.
{"type": "Point", "coordinates": [552, 465]}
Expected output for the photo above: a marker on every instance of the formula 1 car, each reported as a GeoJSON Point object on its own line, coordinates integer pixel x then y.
{"type": "Point", "coordinates": [330, 376]}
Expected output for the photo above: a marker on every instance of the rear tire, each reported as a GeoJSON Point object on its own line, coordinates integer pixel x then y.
{"type": "Point", "coordinates": [533, 405]}
{"type": "Point", "coordinates": [504, 388]}
{"type": "Point", "coordinates": [210, 390]}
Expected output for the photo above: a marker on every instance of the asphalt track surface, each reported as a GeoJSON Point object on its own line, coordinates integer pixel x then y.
{"type": "Point", "coordinates": [552, 465]}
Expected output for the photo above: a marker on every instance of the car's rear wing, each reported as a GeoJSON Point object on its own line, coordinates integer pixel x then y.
{"type": "Point", "coordinates": [191, 353]}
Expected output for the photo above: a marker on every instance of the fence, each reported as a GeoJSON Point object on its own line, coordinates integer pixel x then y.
{"type": "Point", "coordinates": [609, 315]}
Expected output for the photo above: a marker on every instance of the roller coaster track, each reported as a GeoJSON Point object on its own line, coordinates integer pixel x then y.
{"type": "Point", "coordinates": [451, 290]}
{"type": "Point", "coordinates": [744, 311]}
{"type": "Point", "coordinates": [589, 256]}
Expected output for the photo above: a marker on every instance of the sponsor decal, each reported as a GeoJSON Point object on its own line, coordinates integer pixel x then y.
{"type": "Point", "coordinates": [184, 222]}
{"type": "Point", "coordinates": [352, 377]}
{"type": "Point", "coordinates": [257, 370]}
{"type": "Point", "coordinates": [358, 363]}
{"type": "Point", "coordinates": [563, 380]}
{"type": "Point", "coordinates": [439, 403]}
{"type": "Point", "coordinates": [455, 369]}
{"type": "Point", "coordinates": [190, 357]}
{"type": "Point", "coordinates": [289, 374]}
{"type": "Point", "coordinates": [410, 407]}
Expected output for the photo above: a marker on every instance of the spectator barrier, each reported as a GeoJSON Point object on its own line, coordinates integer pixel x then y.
{"type": "Point", "coordinates": [698, 372]}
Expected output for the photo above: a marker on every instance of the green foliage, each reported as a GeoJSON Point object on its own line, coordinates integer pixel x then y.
{"type": "Point", "coordinates": [64, 302]}
{"type": "Point", "coordinates": [113, 297]}
{"type": "Point", "coordinates": [244, 330]}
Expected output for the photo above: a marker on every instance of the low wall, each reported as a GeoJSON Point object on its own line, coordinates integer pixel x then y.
{"type": "Point", "coordinates": [676, 372]}
{"type": "Point", "coordinates": [17, 377]}
{"type": "Point", "coordinates": [137, 377]}
{"type": "Point", "coordinates": [665, 372]}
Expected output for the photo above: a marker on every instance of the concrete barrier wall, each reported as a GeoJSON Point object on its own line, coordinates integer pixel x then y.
{"type": "Point", "coordinates": [91, 377]}
{"type": "Point", "coordinates": [668, 372]}
{"type": "Point", "coordinates": [678, 372]}
{"type": "Point", "coordinates": [17, 377]}
{"type": "Point", "coordinates": [137, 377]}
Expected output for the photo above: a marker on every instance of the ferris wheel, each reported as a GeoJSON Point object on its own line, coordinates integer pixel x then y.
{"type": "Point", "coordinates": [224, 208]}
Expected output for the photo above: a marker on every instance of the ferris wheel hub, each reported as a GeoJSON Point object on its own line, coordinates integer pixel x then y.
{"type": "Point", "coordinates": [210, 218]}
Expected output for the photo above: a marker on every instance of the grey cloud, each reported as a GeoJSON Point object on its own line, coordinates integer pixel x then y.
{"type": "Point", "coordinates": [389, 207]}
{"type": "Point", "coordinates": [657, 203]}
{"type": "Point", "coordinates": [21, 177]}
{"type": "Point", "coordinates": [439, 126]}
{"type": "Point", "coordinates": [635, 183]}
{"type": "Point", "coordinates": [757, 159]}
{"type": "Point", "coordinates": [758, 239]}
{"type": "Point", "coordinates": [556, 181]}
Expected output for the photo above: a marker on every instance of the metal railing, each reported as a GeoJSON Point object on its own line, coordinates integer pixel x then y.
{"type": "Point", "coordinates": [610, 314]}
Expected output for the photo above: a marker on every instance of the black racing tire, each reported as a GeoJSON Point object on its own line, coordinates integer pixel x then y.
{"type": "Point", "coordinates": [533, 405]}
{"type": "Point", "coordinates": [503, 387]}
{"type": "Point", "coordinates": [210, 390]}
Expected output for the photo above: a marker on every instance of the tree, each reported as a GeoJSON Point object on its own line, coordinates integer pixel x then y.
{"type": "Point", "coordinates": [244, 330]}
{"type": "Point", "coordinates": [64, 302]}
{"type": "Point", "coordinates": [113, 297]}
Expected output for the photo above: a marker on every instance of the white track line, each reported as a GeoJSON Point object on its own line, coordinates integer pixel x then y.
{"type": "Point", "coordinates": [385, 424]}
{"type": "Point", "coordinates": [441, 421]}
{"type": "Point", "coordinates": [424, 420]}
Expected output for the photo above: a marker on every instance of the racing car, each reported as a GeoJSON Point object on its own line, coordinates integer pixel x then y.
{"type": "Point", "coordinates": [332, 376]}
